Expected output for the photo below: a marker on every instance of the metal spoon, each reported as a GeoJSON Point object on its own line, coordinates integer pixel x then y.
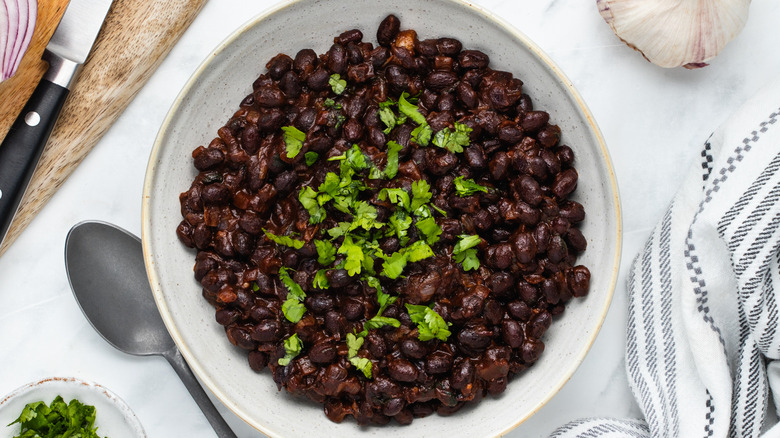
{"type": "Point", "coordinates": [106, 272]}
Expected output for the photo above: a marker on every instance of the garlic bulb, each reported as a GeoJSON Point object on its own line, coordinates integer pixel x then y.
{"type": "Point", "coordinates": [673, 33]}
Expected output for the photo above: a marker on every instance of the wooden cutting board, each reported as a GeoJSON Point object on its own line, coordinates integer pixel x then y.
{"type": "Point", "coordinates": [135, 38]}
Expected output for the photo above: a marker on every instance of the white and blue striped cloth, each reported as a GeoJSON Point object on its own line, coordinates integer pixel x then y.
{"type": "Point", "coordinates": [702, 338]}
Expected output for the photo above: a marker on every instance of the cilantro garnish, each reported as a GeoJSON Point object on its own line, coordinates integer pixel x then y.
{"type": "Point", "coordinates": [354, 252]}
{"type": "Point", "coordinates": [330, 103]}
{"type": "Point", "coordinates": [467, 187]}
{"type": "Point", "coordinates": [57, 419]}
{"type": "Point", "coordinates": [453, 140]}
{"type": "Point", "coordinates": [465, 253]}
{"type": "Point", "coordinates": [311, 157]}
{"type": "Point", "coordinates": [293, 140]}
{"type": "Point", "coordinates": [410, 110]}
{"type": "Point", "coordinates": [284, 240]}
{"type": "Point", "coordinates": [363, 364]}
{"type": "Point", "coordinates": [430, 229]}
{"type": "Point", "coordinates": [391, 168]}
{"type": "Point", "coordinates": [337, 84]}
{"type": "Point", "coordinates": [308, 198]}
{"type": "Point", "coordinates": [326, 252]}
{"type": "Point", "coordinates": [321, 280]}
{"type": "Point", "coordinates": [394, 265]}
{"type": "Point", "coordinates": [387, 116]}
{"type": "Point", "coordinates": [421, 194]}
{"type": "Point", "coordinates": [292, 348]}
{"type": "Point", "coordinates": [429, 323]}
{"type": "Point", "coordinates": [422, 134]}
{"type": "Point", "coordinates": [293, 307]}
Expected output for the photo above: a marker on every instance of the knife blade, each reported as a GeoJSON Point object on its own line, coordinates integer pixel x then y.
{"type": "Point", "coordinates": [66, 52]}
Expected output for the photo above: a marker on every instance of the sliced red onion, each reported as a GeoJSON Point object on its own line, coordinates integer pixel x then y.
{"type": "Point", "coordinates": [3, 36]}
{"type": "Point", "coordinates": [17, 24]}
{"type": "Point", "coordinates": [30, 19]}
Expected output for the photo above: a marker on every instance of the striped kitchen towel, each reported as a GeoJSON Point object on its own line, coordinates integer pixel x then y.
{"type": "Point", "coordinates": [702, 343]}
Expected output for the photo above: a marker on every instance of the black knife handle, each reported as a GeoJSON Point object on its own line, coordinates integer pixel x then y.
{"type": "Point", "coordinates": [23, 145]}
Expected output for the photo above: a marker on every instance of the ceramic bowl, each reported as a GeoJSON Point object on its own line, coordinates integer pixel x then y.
{"type": "Point", "coordinates": [113, 417]}
{"type": "Point", "coordinates": [213, 94]}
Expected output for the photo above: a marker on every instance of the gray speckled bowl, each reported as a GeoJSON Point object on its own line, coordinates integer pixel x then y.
{"type": "Point", "coordinates": [213, 94]}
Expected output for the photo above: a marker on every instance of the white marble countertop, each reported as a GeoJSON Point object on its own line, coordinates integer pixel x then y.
{"type": "Point", "coordinates": [654, 121]}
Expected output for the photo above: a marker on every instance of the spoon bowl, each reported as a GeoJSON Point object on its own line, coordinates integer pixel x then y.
{"type": "Point", "coordinates": [110, 285]}
{"type": "Point", "coordinates": [105, 268]}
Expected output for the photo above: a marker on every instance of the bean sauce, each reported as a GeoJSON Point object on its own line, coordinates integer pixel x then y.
{"type": "Point", "coordinates": [408, 114]}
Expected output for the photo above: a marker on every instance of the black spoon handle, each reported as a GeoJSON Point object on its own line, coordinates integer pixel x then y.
{"type": "Point", "coordinates": [187, 377]}
{"type": "Point", "coordinates": [23, 145]}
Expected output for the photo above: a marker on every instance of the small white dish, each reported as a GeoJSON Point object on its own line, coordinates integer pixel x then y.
{"type": "Point", "coordinates": [113, 417]}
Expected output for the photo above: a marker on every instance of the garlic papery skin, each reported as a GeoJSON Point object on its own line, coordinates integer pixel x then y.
{"type": "Point", "coordinates": [673, 33]}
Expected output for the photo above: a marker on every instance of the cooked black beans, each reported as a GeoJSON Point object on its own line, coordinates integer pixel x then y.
{"type": "Point", "coordinates": [497, 315]}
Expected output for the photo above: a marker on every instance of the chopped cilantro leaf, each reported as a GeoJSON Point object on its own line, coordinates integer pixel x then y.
{"type": "Point", "coordinates": [441, 212]}
{"type": "Point", "coordinates": [326, 252]}
{"type": "Point", "coordinates": [466, 242]}
{"type": "Point", "coordinates": [311, 157]}
{"type": "Point", "coordinates": [293, 140]}
{"type": "Point", "coordinates": [410, 109]}
{"type": "Point", "coordinates": [430, 229]}
{"type": "Point", "coordinates": [417, 251]}
{"type": "Point", "coordinates": [293, 288]}
{"type": "Point", "coordinates": [292, 348]}
{"type": "Point", "coordinates": [399, 223]}
{"type": "Point", "coordinates": [354, 252]}
{"type": "Point", "coordinates": [391, 168]}
{"type": "Point", "coordinates": [321, 280]}
{"type": "Point", "coordinates": [387, 116]}
{"type": "Point", "coordinates": [337, 84]}
{"type": "Point", "coordinates": [453, 140]}
{"type": "Point", "coordinates": [284, 240]}
{"type": "Point", "coordinates": [361, 363]}
{"type": "Point", "coordinates": [421, 194]}
{"type": "Point", "coordinates": [464, 252]}
{"type": "Point", "coordinates": [422, 134]}
{"type": "Point", "coordinates": [308, 198]}
{"type": "Point", "coordinates": [365, 216]}
{"type": "Point", "coordinates": [330, 103]}
{"type": "Point", "coordinates": [380, 321]}
{"type": "Point", "coordinates": [398, 197]}
{"type": "Point", "coordinates": [293, 310]}
{"type": "Point", "coordinates": [467, 187]}
{"type": "Point", "coordinates": [394, 265]}
{"type": "Point", "coordinates": [57, 419]}
{"type": "Point", "coordinates": [356, 158]}
{"type": "Point", "coordinates": [469, 259]}
{"type": "Point", "coordinates": [429, 323]}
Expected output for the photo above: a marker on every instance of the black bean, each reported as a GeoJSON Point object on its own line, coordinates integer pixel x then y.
{"type": "Point", "coordinates": [388, 30]}
{"type": "Point", "coordinates": [565, 183]}
{"type": "Point", "coordinates": [266, 330]}
{"type": "Point", "coordinates": [578, 280]}
{"type": "Point", "coordinates": [413, 348]}
{"type": "Point", "coordinates": [318, 80]}
{"type": "Point", "coordinates": [337, 59]}
{"type": "Point", "coordinates": [305, 61]}
{"type": "Point", "coordinates": [323, 352]}
{"type": "Point", "coordinates": [402, 370]}
{"type": "Point", "coordinates": [350, 36]}
{"type": "Point", "coordinates": [473, 59]}
{"type": "Point", "coordinates": [279, 65]}
{"type": "Point", "coordinates": [208, 158]}
{"type": "Point", "coordinates": [448, 46]}
{"type": "Point", "coordinates": [439, 80]}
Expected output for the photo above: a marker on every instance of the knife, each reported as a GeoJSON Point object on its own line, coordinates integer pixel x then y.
{"type": "Point", "coordinates": [66, 52]}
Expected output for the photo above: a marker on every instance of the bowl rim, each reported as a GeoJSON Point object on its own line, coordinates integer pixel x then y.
{"type": "Point", "coordinates": [520, 37]}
